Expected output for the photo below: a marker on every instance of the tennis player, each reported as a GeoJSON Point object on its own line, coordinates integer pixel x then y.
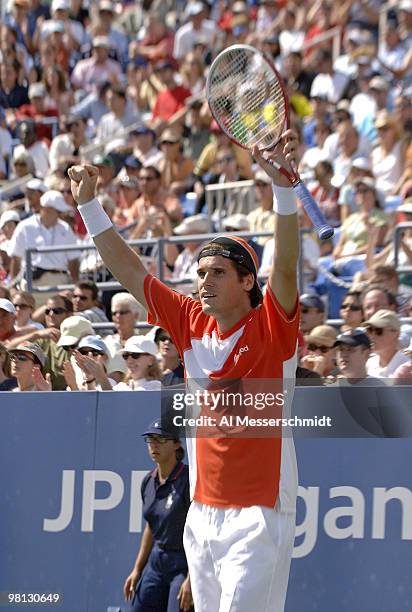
{"type": "Point", "coordinates": [240, 527]}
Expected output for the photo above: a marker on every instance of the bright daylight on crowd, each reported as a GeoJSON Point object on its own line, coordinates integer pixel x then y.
{"type": "Point", "coordinates": [104, 122]}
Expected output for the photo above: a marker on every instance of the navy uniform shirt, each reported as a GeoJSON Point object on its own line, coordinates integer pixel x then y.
{"type": "Point", "coordinates": [165, 506]}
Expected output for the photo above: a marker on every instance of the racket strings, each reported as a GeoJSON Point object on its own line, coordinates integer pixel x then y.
{"type": "Point", "coordinates": [247, 99]}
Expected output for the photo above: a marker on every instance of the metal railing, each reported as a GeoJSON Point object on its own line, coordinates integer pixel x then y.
{"type": "Point", "coordinates": [224, 199]}
{"type": "Point", "coordinates": [147, 242]}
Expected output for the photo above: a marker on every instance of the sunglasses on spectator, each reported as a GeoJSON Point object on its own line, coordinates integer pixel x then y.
{"type": "Point", "coordinates": [22, 306]}
{"type": "Point", "coordinates": [57, 310]}
{"type": "Point", "coordinates": [157, 439]}
{"type": "Point", "coordinates": [164, 338]}
{"type": "Point", "coordinates": [70, 347]}
{"type": "Point", "coordinates": [376, 330]}
{"type": "Point", "coordinates": [169, 142]}
{"type": "Point", "coordinates": [351, 307]}
{"type": "Point", "coordinates": [315, 347]}
{"type": "Point", "coordinates": [228, 158]}
{"type": "Point", "coordinates": [20, 357]}
{"type": "Point", "coordinates": [83, 298]}
{"type": "Point", "coordinates": [120, 312]}
{"type": "Point", "coordinates": [89, 351]}
{"type": "Point", "coordinates": [134, 356]}
{"type": "Point", "coordinates": [147, 178]}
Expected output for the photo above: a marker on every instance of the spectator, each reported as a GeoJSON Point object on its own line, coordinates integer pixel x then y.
{"type": "Point", "coordinates": [27, 363]}
{"type": "Point", "coordinates": [86, 302]}
{"type": "Point", "coordinates": [351, 311]}
{"type": "Point", "coordinates": [121, 115]}
{"type": "Point", "coordinates": [192, 72]}
{"type": "Point", "coordinates": [143, 373]}
{"type": "Point", "coordinates": [156, 44]}
{"type": "Point", "coordinates": [198, 29]}
{"type": "Point", "coordinates": [383, 329]}
{"type": "Point", "coordinates": [65, 148]}
{"type": "Point", "coordinates": [376, 298]}
{"type": "Point", "coordinates": [46, 229]}
{"type": "Point", "coordinates": [58, 309]}
{"type": "Point", "coordinates": [106, 27]}
{"type": "Point", "coordinates": [312, 312]}
{"type": "Point", "coordinates": [402, 374]}
{"type": "Point", "coordinates": [297, 78]}
{"type": "Point", "coordinates": [91, 356]}
{"type": "Point", "coordinates": [7, 382]}
{"type": "Point", "coordinates": [126, 313]}
{"type": "Point", "coordinates": [38, 110]}
{"type": "Point", "coordinates": [37, 149]}
{"type": "Point", "coordinates": [144, 147]}
{"type": "Point", "coordinates": [184, 264]}
{"type": "Point", "coordinates": [153, 195]}
{"type": "Point", "coordinates": [355, 230]}
{"type": "Point", "coordinates": [8, 330]}
{"type": "Point", "coordinates": [25, 303]}
{"type": "Point", "coordinates": [388, 156]}
{"type": "Point", "coordinates": [353, 353]}
{"type": "Point", "coordinates": [12, 94]}
{"type": "Point", "coordinates": [175, 167]}
{"type": "Point", "coordinates": [91, 72]}
{"type": "Point", "coordinates": [321, 352]}
{"type": "Point", "coordinates": [328, 82]}
{"type": "Point", "coordinates": [262, 218]}
{"type": "Point", "coordinates": [93, 106]}
{"type": "Point", "coordinates": [34, 190]}
{"type": "Point", "coordinates": [325, 194]}
{"type": "Point", "coordinates": [107, 171]}
{"type": "Point", "coordinates": [8, 223]}
{"type": "Point", "coordinates": [170, 363]}
{"type": "Point", "coordinates": [73, 30]}
{"type": "Point", "coordinates": [58, 95]}
{"type": "Point", "coordinates": [172, 96]}
{"type": "Point", "coordinates": [22, 164]}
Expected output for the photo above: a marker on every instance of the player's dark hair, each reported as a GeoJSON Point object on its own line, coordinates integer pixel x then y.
{"type": "Point", "coordinates": [255, 294]}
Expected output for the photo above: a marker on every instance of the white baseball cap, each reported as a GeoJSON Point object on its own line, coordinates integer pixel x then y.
{"type": "Point", "coordinates": [405, 5]}
{"type": "Point", "coordinates": [194, 8]}
{"type": "Point", "coordinates": [63, 5]}
{"type": "Point", "coordinates": [54, 199]}
{"type": "Point", "coordinates": [9, 215]}
{"type": "Point", "coordinates": [7, 306]}
{"type": "Point", "coordinates": [36, 185]}
{"type": "Point", "coordinates": [139, 344]}
{"type": "Point", "coordinates": [406, 207]}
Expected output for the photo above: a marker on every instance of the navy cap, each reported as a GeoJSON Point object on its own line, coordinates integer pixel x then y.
{"type": "Point", "coordinates": [132, 162]}
{"type": "Point", "coordinates": [157, 429]}
{"type": "Point", "coordinates": [144, 129]}
{"type": "Point", "coordinates": [354, 337]}
{"type": "Point", "coordinates": [311, 300]}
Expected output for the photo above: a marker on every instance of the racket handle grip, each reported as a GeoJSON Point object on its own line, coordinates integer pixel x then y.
{"type": "Point", "coordinates": [324, 230]}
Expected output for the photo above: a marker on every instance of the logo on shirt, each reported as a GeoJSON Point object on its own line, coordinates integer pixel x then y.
{"type": "Point", "coordinates": [243, 349]}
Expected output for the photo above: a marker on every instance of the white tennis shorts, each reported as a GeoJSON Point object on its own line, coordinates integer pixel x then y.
{"type": "Point", "coordinates": [239, 558]}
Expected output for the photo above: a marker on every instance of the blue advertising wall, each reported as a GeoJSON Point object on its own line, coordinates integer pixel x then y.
{"type": "Point", "coordinates": [70, 472]}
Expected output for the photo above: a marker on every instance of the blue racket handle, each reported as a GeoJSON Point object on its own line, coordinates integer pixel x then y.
{"type": "Point", "coordinates": [324, 230]}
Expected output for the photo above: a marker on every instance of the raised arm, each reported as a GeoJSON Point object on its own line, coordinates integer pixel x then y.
{"type": "Point", "coordinates": [283, 275]}
{"type": "Point", "coordinates": [121, 260]}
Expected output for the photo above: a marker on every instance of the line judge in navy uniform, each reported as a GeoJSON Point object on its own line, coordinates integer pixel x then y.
{"type": "Point", "coordinates": [159, 581]}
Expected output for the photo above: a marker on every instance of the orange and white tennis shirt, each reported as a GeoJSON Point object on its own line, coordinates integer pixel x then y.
{"type": "Point", "coordinates": [235, 472]}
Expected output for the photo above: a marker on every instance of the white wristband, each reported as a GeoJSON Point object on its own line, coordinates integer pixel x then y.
{"type": "Point", "coordinates": [284, 200]}
{"type": "Point", "coordinates": [94, 217]}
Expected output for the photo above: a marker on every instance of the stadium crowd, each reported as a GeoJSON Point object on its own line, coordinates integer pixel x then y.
{"type": "Point", "coordinates": [122, 86]}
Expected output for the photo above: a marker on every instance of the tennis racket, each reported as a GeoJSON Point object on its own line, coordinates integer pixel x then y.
{"type": "Point", "coordinates": [247, 97]}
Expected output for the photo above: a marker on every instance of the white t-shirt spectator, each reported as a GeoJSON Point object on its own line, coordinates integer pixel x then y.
{"type": "Point", "coordinates": [331, 87]}
{"type": "Point", "coordinates": [186, 37]}
{"type": "Point", "coordinates": [374, 369]}
{"type": "Point", "coordinates": [139, 385]}
{"type": "Point", "coordinates": [32, 234]}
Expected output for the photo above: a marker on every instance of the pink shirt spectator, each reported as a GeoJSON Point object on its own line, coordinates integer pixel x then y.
{"type": "Point", "coordinates": [88, 73]}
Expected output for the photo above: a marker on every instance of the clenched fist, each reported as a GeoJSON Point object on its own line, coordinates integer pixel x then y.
{"type": "Point", "coordinates": [83, 182]}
